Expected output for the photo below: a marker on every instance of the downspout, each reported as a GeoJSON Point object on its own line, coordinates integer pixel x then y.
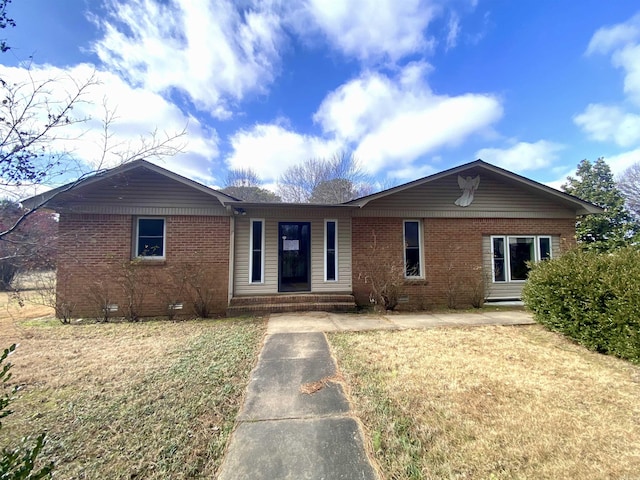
{"type": "Point", "coordinates": [232, 244]}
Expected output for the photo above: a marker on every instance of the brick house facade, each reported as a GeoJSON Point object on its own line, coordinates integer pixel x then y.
{"type": "Point", "coordinates": [140, 241]}
{"type": "Point", "coordinates": [95, 268]}
{"type": "Point", "coordinates": [449, 275]}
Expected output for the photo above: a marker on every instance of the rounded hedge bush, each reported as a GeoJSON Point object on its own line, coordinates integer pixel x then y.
{"type": "Point", "coordinates": [591, 297]}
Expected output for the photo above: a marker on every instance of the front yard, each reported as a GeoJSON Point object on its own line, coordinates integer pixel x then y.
{"type": "Point", "coordinates": [159, 399]}
{"type": "Point", "coordinates": [144, 400]}
{"type": "Point", "coordinates": [492, 403]}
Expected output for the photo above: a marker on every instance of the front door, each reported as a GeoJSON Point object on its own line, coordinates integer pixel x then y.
{"type": "Point", "coordinates": [294, 254]}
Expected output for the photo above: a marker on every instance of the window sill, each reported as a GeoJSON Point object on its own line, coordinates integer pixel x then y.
{"type": "Point", "coordinates": [148, 261]}
{"type": "Point", "coordinates": [415, 280]}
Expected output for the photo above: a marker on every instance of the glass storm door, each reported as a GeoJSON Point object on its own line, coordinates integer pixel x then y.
{"type": "Point", "coordinates": [294, 256]}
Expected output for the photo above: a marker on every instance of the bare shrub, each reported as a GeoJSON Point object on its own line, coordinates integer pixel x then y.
{"type": "Point", "coordinates": [466, 282]}
{"type": "Point", "coordinates": [384, 272]}
{"type": "Point", "coordinates": [100, 293]}
{"type": "Point", "coordinates": [44, 293]}
{"type": "Point", "coordinates": [171, 286]}
{"type": "Point", "coordinates": [133, 281]}
{"type": "Point", "coordinates": [201, 288]}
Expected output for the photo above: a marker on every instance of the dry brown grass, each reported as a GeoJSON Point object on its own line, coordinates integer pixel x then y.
{"type": "Point", "coordinates": [493, 402]}
{"type": "Point", "coordinates": [129, 400]}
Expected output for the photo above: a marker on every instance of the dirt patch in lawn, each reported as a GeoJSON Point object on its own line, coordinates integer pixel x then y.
{"type": "Point", "coordinates": [492, 402]}
{"type": "Point", "coordinates": [145, 400]}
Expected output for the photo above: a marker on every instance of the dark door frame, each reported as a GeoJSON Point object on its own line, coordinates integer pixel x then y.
{"type": "Point", "coordinates": [305, 249]}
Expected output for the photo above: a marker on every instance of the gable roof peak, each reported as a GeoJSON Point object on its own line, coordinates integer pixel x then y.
{"type": "Point", "coordinates": [42, 199]}
{"type": "Point", "coordinates": [582, 207]}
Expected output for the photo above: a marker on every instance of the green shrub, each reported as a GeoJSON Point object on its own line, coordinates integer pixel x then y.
{"type": "Point", "coordinates": [591, 297]}
{"type": "Point", "coordinates": [18, 462]}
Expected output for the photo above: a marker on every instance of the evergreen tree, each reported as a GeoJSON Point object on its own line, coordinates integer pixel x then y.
{"type": "Point", "coordinates": [615, 227]}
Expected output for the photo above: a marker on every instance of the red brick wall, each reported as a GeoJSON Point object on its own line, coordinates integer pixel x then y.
{"type": "Point", "coordinates": [95, 265]}
{"type": "Point", "coordinates": [452, 252]}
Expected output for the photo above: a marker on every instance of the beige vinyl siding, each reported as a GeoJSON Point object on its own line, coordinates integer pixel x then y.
{"type": "Point", "coordinates": [242, 284]}
{"type": "Point", "coordinates": [496, 197]}
{"type": "Point", "coordinates": [141, 192]}
{"type": "Point", "coordinates": [242, 277]}
{"type": "Point", "coordinates": [343, 283]}
{"type": "Point", "coordinates": [507, 290]}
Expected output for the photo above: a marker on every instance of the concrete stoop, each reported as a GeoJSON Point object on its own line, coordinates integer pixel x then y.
{"type": "Point", "coordinates": [286, 303]}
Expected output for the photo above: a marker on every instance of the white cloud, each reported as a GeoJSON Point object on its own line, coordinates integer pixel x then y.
{"type": "Point", "coordinates": [610, 38]}
{"type": "Point", "coordinates": [454, 31]}
{"type": "Point", "coordinates": [610, 123]}
{"type": "Point", "coordinates": [393, 121]}
{"type": "Point", "coordinates": [606, 122]}
{"type": "Point", "coordinates": [628, 58]}
{"type": "Point", "coordinates": [369, 30]}
{"type": "Point", "coordinates": [270, 149]}
{"type": "Point", "coordinates": [619, 163]}
{"type": "Point", "coordinates": [387, 122]}
{"type": "Point", "coordinates": [212, 50]}
{"type": "Point", "coordinates": [138, 113]}
{"type": "Point", "coordinates": [412, 172]}
{"type": "Point", "coordinates": [557, 184]}
{"type": "Point", "coordinates": [523, 155]}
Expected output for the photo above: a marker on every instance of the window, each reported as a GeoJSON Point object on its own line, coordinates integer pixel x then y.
{"type": "Point", "coordinates": [150, 235]}
{"type": "Point", "coordinates": [499, 274]}
{"type": "Point", "coordinates": [512, 254]}
{"type": "Point", "coordinates": [330, 250]}
{"type": "Point", "coordinates": [256, 252]}
{"type": "Point", "coordinates": [545, 248]}
{"type": "Point", "coordinates": [412, 252]}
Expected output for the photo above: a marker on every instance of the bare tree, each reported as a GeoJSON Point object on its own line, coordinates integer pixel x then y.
{"type": "Point", "coordinates": [338, 190]}
{"type": "Point", "coordinates": [334, 180]}
{"type": "Point", "coordinates": [32, 246]}
{"type": "Point", "coordinates": [242, 177]}
{"type": "Point", "coordinates": [629, 185]}
{"type": "Point", "coordinates": [34, 139]}
{"type": "Point", "coordinates": [5, 21]}
{"type": "Point", "coordinates": [245, 184]}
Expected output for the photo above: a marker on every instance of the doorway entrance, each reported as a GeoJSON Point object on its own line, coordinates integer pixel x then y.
{"type": "Point", "coordinates": [294, 256]}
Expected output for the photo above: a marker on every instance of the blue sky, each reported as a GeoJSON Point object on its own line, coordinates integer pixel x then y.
{"type": "Point", "coordinates": [411, 87]}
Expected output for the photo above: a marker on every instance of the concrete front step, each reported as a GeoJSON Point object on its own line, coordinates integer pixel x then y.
{"type": "Point", "coordinates": [291, 303]}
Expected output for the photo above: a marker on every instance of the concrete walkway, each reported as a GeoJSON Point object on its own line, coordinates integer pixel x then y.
{"type": "Point", "coordinates": [296, 422]}
{"type": "Point", "coordinates": [338, 322]}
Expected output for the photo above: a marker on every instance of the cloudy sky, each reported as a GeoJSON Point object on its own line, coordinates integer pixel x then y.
{"type": "Point", "coordinates": [412, 87]}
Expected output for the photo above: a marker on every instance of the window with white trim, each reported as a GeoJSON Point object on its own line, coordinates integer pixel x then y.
{"type": "Point", "coordinates": [330, 250]}
{"type": "Point", "coordinates": [512, 255]}
{"type": "Point", "coordinates": [256, 252]}
{"type": "Point", "coordinates": [412, 249]}
{"type": "Point", "coordinates": [150, 238]}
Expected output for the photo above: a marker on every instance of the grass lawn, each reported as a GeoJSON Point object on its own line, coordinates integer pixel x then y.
{"type": "Point", "coordinates": [143, 400]}
{"type": "Point", "coordinates": [492, 403]}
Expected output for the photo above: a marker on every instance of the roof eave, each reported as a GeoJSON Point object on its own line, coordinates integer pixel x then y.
{"type": "Point", "coordinates": [42, 199]}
